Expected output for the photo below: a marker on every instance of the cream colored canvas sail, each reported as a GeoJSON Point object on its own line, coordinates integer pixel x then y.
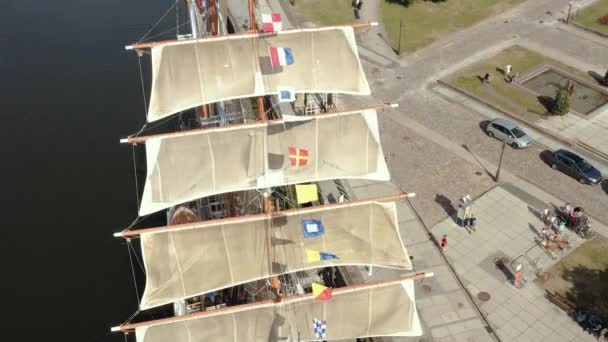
{"type": "Point", "coordinates": [192, 73]}
{"type": "Point", "coordinates": [189, 166]}
{"type": "Point", "coordinates": [188, 262]}
{"type": "Point", "coordinates": [388, 310]}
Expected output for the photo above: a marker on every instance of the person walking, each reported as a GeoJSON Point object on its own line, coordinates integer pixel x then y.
{"type": "Point", "coordinates": [444, 243]}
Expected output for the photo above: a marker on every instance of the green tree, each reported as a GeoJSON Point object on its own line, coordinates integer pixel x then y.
{"type": "Point", "coordinates": [561, 104]}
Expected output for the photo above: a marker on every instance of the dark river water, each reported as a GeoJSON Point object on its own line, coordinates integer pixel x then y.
{"type": "Point", "coordinates": [69, 92]}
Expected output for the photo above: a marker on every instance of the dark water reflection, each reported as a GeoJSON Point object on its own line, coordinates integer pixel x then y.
{"type": "Point", "coordinates": [69, 92]}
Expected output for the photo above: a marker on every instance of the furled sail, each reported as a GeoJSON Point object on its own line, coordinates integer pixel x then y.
{"type": "Point", "coordinates": [193, 165]}
{"type": "Point", "coordinates": [231, 252]}
{"type": "Point", "coordinates": [192, 73]}
{"type": "Point", "coordinates": [381, 310]}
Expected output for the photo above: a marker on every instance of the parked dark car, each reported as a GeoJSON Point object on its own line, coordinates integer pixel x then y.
{"type": "Point", "coordinates": [576, 166]}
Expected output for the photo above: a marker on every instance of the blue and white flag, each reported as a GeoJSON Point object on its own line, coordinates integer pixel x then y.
{"type": "Point", "coordinates": [286, 94]}
{"type": "Point", "coordinates": [312, 228]}
{"type": "Point", "coordinates": [319, 328]}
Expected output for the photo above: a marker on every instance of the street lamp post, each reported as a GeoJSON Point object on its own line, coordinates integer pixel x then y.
{"type": "Point", "coordinates": [570, 3]}
{"type": "Point", "coordinates": [502, 152]}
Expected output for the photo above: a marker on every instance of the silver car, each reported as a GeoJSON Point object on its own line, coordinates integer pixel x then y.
{"type": "Point", "coordinates": [508, 132]}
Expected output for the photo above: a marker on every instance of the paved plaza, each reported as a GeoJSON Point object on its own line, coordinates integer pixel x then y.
{"type": "Point", "coordinates": [507, 225]}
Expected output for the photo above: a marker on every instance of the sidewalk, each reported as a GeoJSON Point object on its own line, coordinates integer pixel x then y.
{"type": "Point", "coordinates": [507, 223]}
{"type": "Point", "coordinates": [446, 312]}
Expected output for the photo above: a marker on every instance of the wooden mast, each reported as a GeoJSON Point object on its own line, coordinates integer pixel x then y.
{"type": "Point", "coordinates": [130, 234]}
{"type": "Point", "coordinates": [253, 28]}
{"type": "Point", "coordinates": [287, 300]}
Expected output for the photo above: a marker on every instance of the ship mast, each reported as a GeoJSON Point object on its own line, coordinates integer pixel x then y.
{"type": "Point", "coordinates": [195, 24]}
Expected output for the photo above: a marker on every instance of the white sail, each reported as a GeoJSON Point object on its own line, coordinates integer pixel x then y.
{"type": "Point", "coordinates": [388, 310]}
{"type": "Point", "coordinates": [192, 73]}
{"type": "Point", "coordinates": [189, 166]}
{"type": "Point", "coordinates": [182, 263]}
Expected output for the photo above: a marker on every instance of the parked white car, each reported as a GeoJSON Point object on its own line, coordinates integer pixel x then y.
{"type": "Point", "coordinates": [508, 132]}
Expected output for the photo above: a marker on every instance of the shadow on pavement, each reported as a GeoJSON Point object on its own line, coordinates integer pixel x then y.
{"type": "Point", "coordinates": [501, 265]}
{"type": "Point", "coordinates": [547, 157]}
{"type": "Point", "coordinates": [491, 175]}
{"type": "Point", "coordinates": [598, 78]}
{"type": "Point", "coordinates": [484, 125]}
{"type": "Point", "coordinates": [605, 185]}
{"type": "Point", "coordinates": [533, 229]}
{"type": "Point", "coordinates": [536, 213]}
{"type": "Point", "coordinates": [447, 205]}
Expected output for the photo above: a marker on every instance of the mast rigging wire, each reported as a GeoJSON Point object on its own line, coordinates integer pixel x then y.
{"type": "Point", "coordinates": [137, 258]}
{"type": "Point", "coordinates": [133, 271]}
{"type": "Point", "coordinates": [158, 22]}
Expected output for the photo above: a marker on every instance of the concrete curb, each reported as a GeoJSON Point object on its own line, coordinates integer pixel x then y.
{"type": "Point", "coordinates": [588, 29]}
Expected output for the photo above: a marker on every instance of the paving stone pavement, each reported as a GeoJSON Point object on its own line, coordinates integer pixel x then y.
{"type": "Point", "coordinates": [507, 225]}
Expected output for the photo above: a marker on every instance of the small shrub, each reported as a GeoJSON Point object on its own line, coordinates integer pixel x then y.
{"type": "Point", "coordinates": [562, 102]}
{"type": "Point", "coordinates": [603, 20]}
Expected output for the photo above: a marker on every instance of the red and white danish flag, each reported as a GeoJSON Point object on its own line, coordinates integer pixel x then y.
{"type": "Point", "coordinates": [272, 22]}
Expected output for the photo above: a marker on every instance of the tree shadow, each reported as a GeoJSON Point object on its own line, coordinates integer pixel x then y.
{"type": "Point", "coordinates": [501, 71]}
{"type": "Point", "coordinates": [405, 3]}
{"type": "Point", "coordinates": [597, 77]}
{"type": "Point", "coordinates": [589, 289]}
{"type": "Point", "coordinates": [547, 102]}
{"type": "Point", "coordinates": [546, 157]}
{"type": "Point", "coordinates": [480, 78]}
{"type": "Point", "coordinates": [447, 205]}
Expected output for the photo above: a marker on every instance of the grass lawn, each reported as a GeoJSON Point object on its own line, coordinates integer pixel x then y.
{"type": "Point", "coordinates": [326, 12]}
{"type": "Point", "coordinates": [581, 278]}
{"type": "Point", "coordinates": [426, 21]}
{"type": "Point", "coordinates": [500, 93]}
{"type": "Point", "coordinates": [589, 16]}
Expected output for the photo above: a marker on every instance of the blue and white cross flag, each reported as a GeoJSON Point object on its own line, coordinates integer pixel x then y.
{"type": "Point", "coordinates": [312, 228]}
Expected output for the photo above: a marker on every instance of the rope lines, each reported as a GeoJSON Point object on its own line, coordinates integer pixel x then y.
{"type": "Point", "coordinates": [158, 22]}
{"type": "Point", "coordinates": [133, 271]}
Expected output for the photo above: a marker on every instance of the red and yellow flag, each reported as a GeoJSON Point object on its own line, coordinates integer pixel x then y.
{"type": "Point", "coordinates": [321, 293]}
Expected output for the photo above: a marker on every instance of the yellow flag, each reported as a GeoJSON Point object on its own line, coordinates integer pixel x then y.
{"type": "Point", "coordinates": [317, 289]}
{"type": "Point", "coordinates": [312, 255]}
{"type": "Point", "coordinates": [307, 193]}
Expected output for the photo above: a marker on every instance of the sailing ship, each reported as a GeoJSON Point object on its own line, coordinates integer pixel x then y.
{"type": "Point", "coordinates": [240, 259]}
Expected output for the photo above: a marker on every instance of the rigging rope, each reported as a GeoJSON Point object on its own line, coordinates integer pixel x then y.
{"type": "Point", "coordinates": [158, 22]}
{"type": "Point", "coordinates": [177, 17]}
{"type": "Point", "coordinates": [136, 180]}
{"type": "Point", "coordinates": [137, 258]}
{"type": "Point", "coordinates": [133, 271]}
{"type": "Point", "coordinates": [169, 30]}
{"type": "Point", "coordinates": [141, 77]}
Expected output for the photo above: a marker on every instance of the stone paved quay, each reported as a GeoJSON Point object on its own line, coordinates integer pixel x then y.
{"type": "Point", "coordinates": [507, 225]}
